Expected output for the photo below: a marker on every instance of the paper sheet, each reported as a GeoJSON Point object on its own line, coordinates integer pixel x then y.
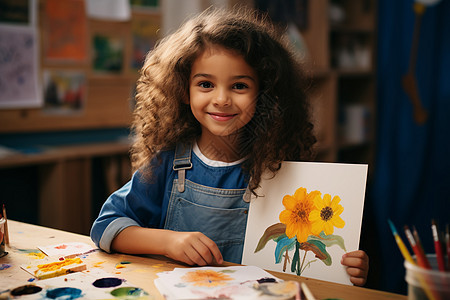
{"type": "Point", "coordinates": [346, 181]}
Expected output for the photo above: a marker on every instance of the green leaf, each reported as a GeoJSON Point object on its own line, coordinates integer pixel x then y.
{"type": "Point", "coordinates": [329, 240]}
{"type": "Point", "coordinates": [271, 233]}
{"type": "Point", "coordinates": [283, 244]}
{"type": "Point", "coordinates": [319, 249]}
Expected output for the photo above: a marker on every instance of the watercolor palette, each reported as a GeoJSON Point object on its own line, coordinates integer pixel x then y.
{"type": "Point", "coordinates": [236, 282]}
{"type": "Point", "coordinates": [96, 284]}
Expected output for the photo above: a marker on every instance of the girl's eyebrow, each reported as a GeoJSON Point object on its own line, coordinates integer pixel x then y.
{"type": "Point", "coordinates": [234, 77]}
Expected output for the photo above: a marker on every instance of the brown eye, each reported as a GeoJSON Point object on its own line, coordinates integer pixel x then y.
{"type": "Point", "coordinates": [205, 84]}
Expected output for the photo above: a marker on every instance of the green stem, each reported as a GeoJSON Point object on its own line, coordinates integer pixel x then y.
{"type": "Point", "coordinates": [303, 263]}
{"type": "Point", "coordinates": [297, 245]}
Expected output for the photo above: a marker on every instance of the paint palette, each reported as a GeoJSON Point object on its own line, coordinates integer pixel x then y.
{"type": "Point", "coordinates": [97, 284]}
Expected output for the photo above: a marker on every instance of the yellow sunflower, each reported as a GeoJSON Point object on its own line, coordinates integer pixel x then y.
{"type": "Point", "coordinates": [295, 216]}
{"type": "Point", "coordinates": [207, 278]}
{"type": "Point", "coordinates": [326, 215]}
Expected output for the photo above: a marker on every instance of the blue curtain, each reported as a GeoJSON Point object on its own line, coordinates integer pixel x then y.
{"type": "Point", "coordinates": [411, 184]}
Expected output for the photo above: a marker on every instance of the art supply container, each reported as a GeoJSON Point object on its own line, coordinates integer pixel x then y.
{"type": "Point", "coordinates": [2, 237]}
{"type": "Point", "coordinates": [423, 282]}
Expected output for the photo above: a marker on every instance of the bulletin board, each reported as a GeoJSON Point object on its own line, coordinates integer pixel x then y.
{"type": "Point", "coordinates": [87, 69]}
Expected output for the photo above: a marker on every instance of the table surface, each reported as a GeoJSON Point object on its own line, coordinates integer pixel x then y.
{"type": "Point", "coordinates": [141, 271]}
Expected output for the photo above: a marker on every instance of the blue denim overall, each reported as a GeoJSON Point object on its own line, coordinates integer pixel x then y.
{"type": "Point", "coordinates": [220, 214]}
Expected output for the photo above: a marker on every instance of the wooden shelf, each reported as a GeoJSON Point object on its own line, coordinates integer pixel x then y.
{"type": "Point", "coordinates": [65, 180]}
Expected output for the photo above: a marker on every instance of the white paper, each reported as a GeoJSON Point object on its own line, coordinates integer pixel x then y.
{"type": "Point", "coordinates": [114, 10]}
{"type": "Point", "coordinates": [347, 181]}
{"type": "Point", "coordinates": [67, 250]}
{"type": "Point", "coordinates": [236, 282]}
{"type": "Point", "coordinates": [19, 67]}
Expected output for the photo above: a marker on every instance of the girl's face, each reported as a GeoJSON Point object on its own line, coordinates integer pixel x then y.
{"type": "Point", "coordinates": [223, 90]}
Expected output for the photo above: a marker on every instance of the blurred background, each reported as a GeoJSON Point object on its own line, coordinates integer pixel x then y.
{"type": "Point", "coordinates": [380, 92]}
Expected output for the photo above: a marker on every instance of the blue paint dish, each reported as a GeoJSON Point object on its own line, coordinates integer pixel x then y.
{"type": "Point", "coordinates": [64, 292]}
{"type": "Point", "coordinates": [107, 282]}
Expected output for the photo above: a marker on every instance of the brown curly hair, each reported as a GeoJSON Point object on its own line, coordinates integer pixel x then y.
{"type": "Point", "coordinates": [280, 128]}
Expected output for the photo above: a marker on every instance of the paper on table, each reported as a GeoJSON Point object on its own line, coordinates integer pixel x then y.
{"type": "Point", "coordinates": [235, 282]}
{"type": "Point", "coordinates": [67, 250]}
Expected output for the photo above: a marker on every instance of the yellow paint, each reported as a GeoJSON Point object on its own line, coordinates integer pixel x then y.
{"type": "Point", "coordinates": [58, 264]}
{"type": "Point", "coordinates": [98, 264]}
{"type": "Point", "coordinates": [35, 255]}
{"type": "Point", "coordinates": [120, 266]}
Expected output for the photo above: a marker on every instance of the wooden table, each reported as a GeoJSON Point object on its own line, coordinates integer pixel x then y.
{"type": "Point", "coordinates": [142, 270]}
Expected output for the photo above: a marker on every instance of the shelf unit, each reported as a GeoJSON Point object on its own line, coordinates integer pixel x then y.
{"type": "Point", "coordinates": [341, 40]}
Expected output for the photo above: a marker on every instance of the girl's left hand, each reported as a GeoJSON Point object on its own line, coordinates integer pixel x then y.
{"type": "Point", "coordinates": [357, 263]}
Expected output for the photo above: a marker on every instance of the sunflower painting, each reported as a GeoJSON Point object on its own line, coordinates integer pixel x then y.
{"type": "Point", "coordinates": [305, 218]}
{"type": "Point", "coordinates": [307, 224]}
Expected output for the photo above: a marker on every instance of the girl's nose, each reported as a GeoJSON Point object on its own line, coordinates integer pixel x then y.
{"type": "Point", "coordinates": [222, 98]}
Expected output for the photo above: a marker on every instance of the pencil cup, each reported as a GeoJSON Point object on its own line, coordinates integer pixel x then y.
{"type": "Point", "coordinates": [427, 284]}
{"type": "Point", "coordinates": [2, 237]}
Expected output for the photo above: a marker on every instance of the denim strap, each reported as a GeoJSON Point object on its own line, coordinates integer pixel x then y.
{"type": "Point", "coordinates": [182, 162]}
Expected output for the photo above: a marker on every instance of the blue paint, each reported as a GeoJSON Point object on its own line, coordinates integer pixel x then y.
{"type": "Point", "coordinates": [31, 279]}
{"type": "Point", "coordinates": [4, 266]}
{"type": "Point", "coordinates": [107, 282]}
{"type": "Point", "coordinates": [64, 292]}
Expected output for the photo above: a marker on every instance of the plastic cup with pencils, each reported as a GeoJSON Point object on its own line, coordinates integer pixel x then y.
{"type": "Point", "coordinates": [436, 281]}
{"type": "Point", "coordinates": [425, 280]}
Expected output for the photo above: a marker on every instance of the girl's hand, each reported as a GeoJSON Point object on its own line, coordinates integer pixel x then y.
{"type": "Point", "coordinates": [357, 263]}
{"type": "Point", "coordinates": [193, 248]}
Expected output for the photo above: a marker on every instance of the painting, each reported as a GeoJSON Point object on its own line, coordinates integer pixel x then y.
{"type": "Point", "coordinates": [19, 84]}
{"type": "Point", "coordinates": [18, 12]}
{"type": "Point", "coordinates": [145, 31]}
{"type": "Point", "coordinates": [108, 54]}
{"type": "Point", "coordinates": [65, 31]}
{"type": "Point", "coordinates": [234, 282]}
{"type": "Point", "coordinates": [64, 91]}
{"type": "Point", "coordinates": [305, 218]}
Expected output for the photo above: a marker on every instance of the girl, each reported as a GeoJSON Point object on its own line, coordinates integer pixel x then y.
{"type": "Point", "coordinates": [219, 102]}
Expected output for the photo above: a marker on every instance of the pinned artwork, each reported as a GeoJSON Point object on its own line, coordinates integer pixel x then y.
{"type": "Point", "coordinates": [235, 282]}
{"type": "Point", "coordinates": [305, 218]}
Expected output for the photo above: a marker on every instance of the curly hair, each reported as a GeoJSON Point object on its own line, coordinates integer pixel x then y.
{"type": "Point", "coordinates": [280, 128]}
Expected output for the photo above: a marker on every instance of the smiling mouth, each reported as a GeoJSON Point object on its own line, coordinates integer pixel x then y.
{"type": "Point", "coordinates": [222, 116]}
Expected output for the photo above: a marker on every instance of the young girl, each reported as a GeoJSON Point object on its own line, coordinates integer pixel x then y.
{"type": "Point", "coordinates": [219, 102]}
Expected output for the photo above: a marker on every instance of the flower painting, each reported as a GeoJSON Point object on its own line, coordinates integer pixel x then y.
{"type": "Point", "coordinates": [302, 220]}
{"type": "Point", "coordinates": [307, 224]}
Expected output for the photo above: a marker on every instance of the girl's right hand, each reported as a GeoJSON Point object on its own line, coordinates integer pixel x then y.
{"type": "Point", "coordinates": [192, 248]}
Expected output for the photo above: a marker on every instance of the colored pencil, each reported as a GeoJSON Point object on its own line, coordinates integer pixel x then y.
{"type": "Point", "coordinates": [419, 246]}
{"type": "Point", "coordinates": [6, 226]}
{"type": "Point", "coordinates": [409, 259]}
{"type": "Point", "coordinates": [437, 247]}
{"type": "Point", "coordinates": [420, 257]}
{"type": "Point", "coordinates": [401, 245]}
{"type": "Point", "coordinates": [447, 243]}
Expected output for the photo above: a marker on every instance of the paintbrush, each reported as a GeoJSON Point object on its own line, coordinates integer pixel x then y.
{"type": "Point", "coordinates": [6, 226]}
